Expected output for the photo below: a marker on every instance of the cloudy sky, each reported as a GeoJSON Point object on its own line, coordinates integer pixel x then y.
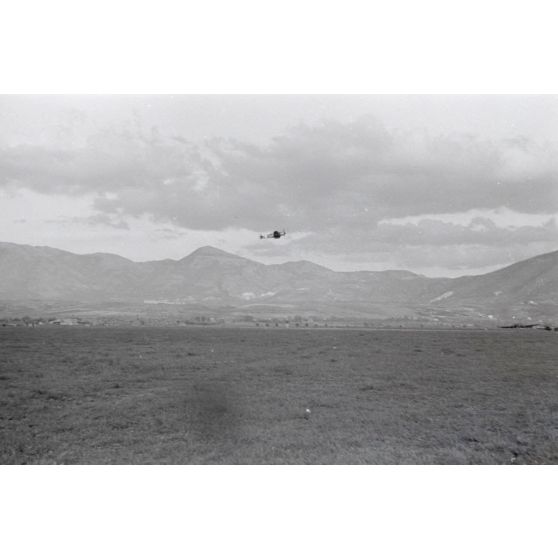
{"type": "Point", "coordinates": [440, 185]}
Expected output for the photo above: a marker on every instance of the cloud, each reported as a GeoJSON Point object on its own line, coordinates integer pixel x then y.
{"type": "Point", "coordinates": [428, 246]}
{"type": "Point", "coordinates": [103, 220]}
{"type": "Point", "coordinates": [334, 178]}
{"type": "Point", "coordinates": [94, 220]}
{"type": "Point", "coordinates": [481, 231]}
{"type": "Point", "coordinates": [110, 162]}
{"type": "Point", "coordinates": [351, 176]}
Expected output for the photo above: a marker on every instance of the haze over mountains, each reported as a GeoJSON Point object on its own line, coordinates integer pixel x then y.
{"type": "Point", "coordinates": [527, 290]}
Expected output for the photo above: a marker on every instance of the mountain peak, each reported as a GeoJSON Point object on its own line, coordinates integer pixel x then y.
{"type": "Point", "coordinates": [212, 252]}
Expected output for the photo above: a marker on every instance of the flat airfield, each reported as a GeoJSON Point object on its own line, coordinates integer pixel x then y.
{"type": "Point", "coordinates": [212, 395]}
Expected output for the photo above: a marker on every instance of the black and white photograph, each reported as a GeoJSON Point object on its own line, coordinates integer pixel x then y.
{"type": "Point", "coordinates": [281, 279]}
{"type": "Point", "coordinates": [278, 279]}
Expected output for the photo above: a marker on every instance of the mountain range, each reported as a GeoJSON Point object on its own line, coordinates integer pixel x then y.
{"type": "Point", "coordinates": [35, 275]}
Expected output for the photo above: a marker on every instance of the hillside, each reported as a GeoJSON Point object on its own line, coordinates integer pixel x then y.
{"type": "Point", "coordinates": [215, 278]}
{"type": "Point", "coordinates": [528, 288]}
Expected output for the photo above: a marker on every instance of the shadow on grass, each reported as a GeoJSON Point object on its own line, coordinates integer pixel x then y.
{"type": "Point", "coordinates": [212, 414]}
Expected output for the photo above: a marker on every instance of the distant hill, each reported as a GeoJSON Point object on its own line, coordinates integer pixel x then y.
{"type": "Point", "coordinates": [528, 288]}
{"type": "Point", "coordinates": [215, 278]}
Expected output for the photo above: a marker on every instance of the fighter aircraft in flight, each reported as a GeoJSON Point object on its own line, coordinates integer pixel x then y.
{"type": "Point", "coordinates": [274, 234]}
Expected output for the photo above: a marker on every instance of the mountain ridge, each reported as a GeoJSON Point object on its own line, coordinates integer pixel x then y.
{"type": "Point", "coordinates": [524, 290]}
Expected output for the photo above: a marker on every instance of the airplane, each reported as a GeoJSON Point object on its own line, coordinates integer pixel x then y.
{"type": "Point", "coordinates": [274, 234]}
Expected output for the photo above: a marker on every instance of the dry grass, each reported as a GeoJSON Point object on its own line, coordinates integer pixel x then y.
{"type": "Point", "coordinates": [177, 395]}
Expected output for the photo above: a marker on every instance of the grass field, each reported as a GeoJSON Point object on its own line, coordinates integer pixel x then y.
{"type": "Point", "coordinates": [227, 396]}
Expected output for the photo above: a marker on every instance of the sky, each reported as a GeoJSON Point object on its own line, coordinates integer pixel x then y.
{"type": "Point", "coordinates": [442, 185]}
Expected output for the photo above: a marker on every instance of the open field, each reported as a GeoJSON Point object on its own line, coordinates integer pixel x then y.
{"type": "Point", "coordinates": [224, 395]}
